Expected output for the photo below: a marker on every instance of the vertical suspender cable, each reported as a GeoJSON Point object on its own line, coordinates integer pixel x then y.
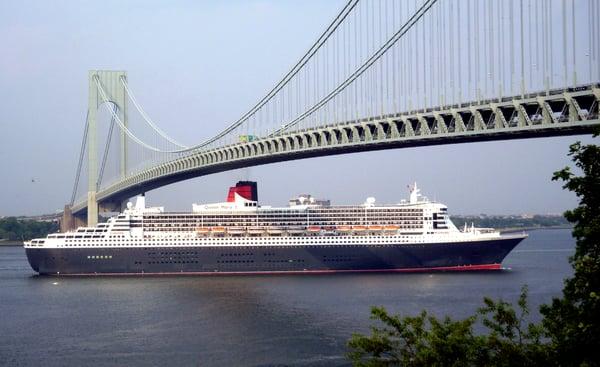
{"type": "Point", "coordinates": [469, 33]}
{"type": "Point", "coordinates": [383, 77]}
{"type": "Point", "coordinates": [356, 46]}
{"type": "Point", "coordinates": [529, 46]}
{"type": "Point", "coordinates": [564, 43]}
{"type": "Point", "coordinates": [501, 53]}
{"type": "Point", "coordinates": [546, 49]}
{"type": "Point", "coordinates": [597, 32]}
{"type": "Point", "coordinates": [488, 49]}
{"type": "Point", "coordinates": [459, 44]}
{"type": "Point", "coordinates": [476, 51]}
{"type": "Point", "coordinates": [512, 47]}
{"type": "Point", "coordinates": [591, 39]}
{"type": "Point", "coordinates": [444, 53]}
{"type": "Point", "coordinates": [417, 69]}
{"type": "Point", "coordinates": [394, 64]}
{"type": "Point", "coordinates": [522, 41]}
{"type": "Point", "coordinates": [426, 61]}
{"type": "Point", "coordinates": [550, 45]}
{"type": "Point", "coordinates": [574, 43]}
{"type": "Point", "coordinates": [537, 44]}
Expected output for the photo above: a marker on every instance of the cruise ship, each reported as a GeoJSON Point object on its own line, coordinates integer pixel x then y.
{"type": "Point", "coordinates": [240, 236]}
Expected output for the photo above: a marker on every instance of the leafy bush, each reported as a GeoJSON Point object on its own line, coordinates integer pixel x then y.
{"type": "Point", "coordinates": [569, 334]}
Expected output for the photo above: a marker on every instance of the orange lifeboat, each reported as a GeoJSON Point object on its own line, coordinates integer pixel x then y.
{"type": "Point", "coordinates": [203, 230]}
{"type": "Point", "coordinates": [359, 229]}
{"type": "Point", "coordinates": [218, 230]}
{"type": "Point", "coordinates": [313, 229]}
{"type": "Point", "coordinates": [343, 228]}
{"type": "Point", "coordinates": [375, 228]}
{"type": "Point", "coordinates": [391, 227]}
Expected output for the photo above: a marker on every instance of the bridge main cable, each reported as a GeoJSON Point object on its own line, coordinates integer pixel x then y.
{"type": "Point", "coordinates": [81, 154]}
{"type": "Point", "coordinates": [382, 50]}
{"type": "Point", "coordinates": [350, 5]}
{"type": "Point", "coordinates": [147, 118]}
{"type": "Point", "coordinates": [128, 132]}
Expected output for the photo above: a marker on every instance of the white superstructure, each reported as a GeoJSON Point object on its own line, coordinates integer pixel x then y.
{"type": "Point", "coordinates": [242, 222]}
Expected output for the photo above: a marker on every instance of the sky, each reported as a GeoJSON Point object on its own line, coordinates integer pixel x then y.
{"type": "Point", "coordinates": [196, 66]}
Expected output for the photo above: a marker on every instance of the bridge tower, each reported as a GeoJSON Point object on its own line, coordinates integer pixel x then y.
{"type": "Point", "coordinates": [115, 93]}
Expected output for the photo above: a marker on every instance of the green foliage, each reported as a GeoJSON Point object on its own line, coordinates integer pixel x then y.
{"type": "Point", "coordinates": [573, 321]}
{"type": "Point", "coordinates": [510, 341]}
{"type": "Point", "coordinates": [15, 229]}
{"type": "Point", "coordinates": [428, 341]}
{"type": "Point", "coordinates": [569, 334]}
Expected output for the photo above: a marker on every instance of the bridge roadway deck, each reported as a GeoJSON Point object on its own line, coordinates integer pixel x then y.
{"type": "Point", "coordinates": [558, 112]}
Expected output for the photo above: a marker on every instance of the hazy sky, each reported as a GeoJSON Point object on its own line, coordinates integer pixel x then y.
{"type": "Point", "coordinates": [196, 67]}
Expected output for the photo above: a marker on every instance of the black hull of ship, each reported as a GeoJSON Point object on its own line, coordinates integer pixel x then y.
{"type": "Point", "coordinates": [474, 255]}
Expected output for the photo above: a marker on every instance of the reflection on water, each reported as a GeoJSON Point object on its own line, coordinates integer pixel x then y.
{"type": "Point", "coordinates": [240, 320]}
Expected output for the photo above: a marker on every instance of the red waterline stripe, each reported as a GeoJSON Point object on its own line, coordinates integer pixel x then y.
{"type": "Point", "coordinates": [283, 272]}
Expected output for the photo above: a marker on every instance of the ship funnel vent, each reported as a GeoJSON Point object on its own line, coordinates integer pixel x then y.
{"type": "Point", "coordinates": [246, 189]}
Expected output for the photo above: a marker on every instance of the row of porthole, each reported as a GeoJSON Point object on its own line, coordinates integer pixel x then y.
{"type": "Point", "coordinates": [176, 253]}
{"type": "Point", "coordinates": [234, 261]}
{"type": "Point", "coordinates": [101, 257]}
{"type": "Point", "coordinates": [345, 243]}
{"type": "Point", "coordinates": [336, 260]}
{"type": "Point", "coordinates": [244, 254]}
{"type": "Point", "coordinates": [379, 245]}
{"type": "Point", "coordinates": [286, 261]}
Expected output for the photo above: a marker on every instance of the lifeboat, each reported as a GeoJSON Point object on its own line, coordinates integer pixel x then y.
{"type": "Point", "coordinates": [203, 230]}
{"type": "Point", "coordinates": [274, 230]}
{"type": "Point", "coordinates": [295, 230]}
{"type": "Point", "coordinates": [313, 229]}
{"type": "Point", "coordinates": [359, 229]}
{"type": "Point", "coordinates": [256, 231]}
{"type": "Point", "coordinates": [375, 228]}
{"type": "Point", "coordinates": [218, 230]}
{"type": "Point", "coordinates": [236, 231]}
{"type": "Point", "coordinates": [391, 227]}
{"type": "Point", "coordinates": [343, 228]}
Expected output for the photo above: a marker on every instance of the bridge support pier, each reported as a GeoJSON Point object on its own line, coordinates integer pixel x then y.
{"type": "Point", "coordinates": [69, 222]}
{"type": "Point", "coordinates": [92, 209]}
{"type": "Point", "coordinates": [111, 83]}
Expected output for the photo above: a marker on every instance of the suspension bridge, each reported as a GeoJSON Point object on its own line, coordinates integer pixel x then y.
{"type": "Point", "coordinates": [385, 74]}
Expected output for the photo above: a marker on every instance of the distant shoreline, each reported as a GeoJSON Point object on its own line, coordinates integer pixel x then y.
{"type": "Point", "coordinates": [521, 229]}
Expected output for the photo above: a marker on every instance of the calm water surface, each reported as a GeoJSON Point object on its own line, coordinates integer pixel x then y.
{"type": "Point", "coordinates": [240, 321]}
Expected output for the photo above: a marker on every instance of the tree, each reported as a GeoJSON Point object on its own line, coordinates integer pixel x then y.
{"type": "Point", "coordinates": [14, 229]}
{"type": "Point", "coordinates": [573, 321]}
{"type": "Point", "coordinates": [428, 341]}
{"type": "Point", "coordinates": [569, 334]}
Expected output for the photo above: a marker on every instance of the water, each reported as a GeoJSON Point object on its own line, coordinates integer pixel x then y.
{"type": "Point", "coordinates": [240, 321]}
